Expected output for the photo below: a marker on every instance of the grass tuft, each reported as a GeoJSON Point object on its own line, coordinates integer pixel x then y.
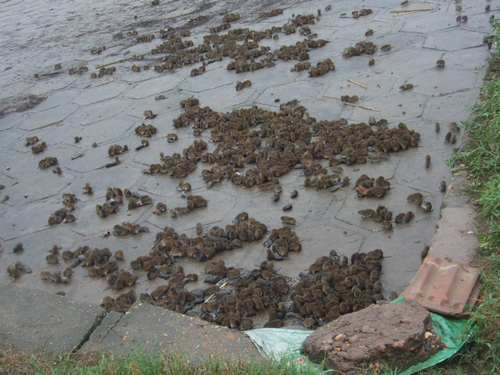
{"type": "Point", "coordinates": [481, 161]}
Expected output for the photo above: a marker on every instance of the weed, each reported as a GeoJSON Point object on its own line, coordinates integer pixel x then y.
{"type": "Point", "coordinates": [481, 160]}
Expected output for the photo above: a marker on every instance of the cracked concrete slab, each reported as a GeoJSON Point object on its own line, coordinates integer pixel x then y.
{"type": "Point", "coordinates": [398, 42]}
{"type": "Point", "coordinates": [11, 121]}
{"type": "Point", "coordinates": [452, 40]}
{"type": "Point", "coordinates": [301, 90]}
{"type": "Point", "coordinates": [427, 179]}
{"type": "Point", "coordinates": [456, 234]}
{"type": "Point", "coordinates": [100, 93]}
{"type": "Point", "coordinates": [15, 223]}
{"type": "Point", "coordinates": [357, 32]}
{"type": "Point", "coordinates": [459, 60]}
{"type": "Point", "coordinates": [435, 83]}
{"type": "Point", "coordinates": [57, 99]}
{"type": "Point", "coordinates": [17, 165]}
{"type": "Point", "coordinates": [35, 321]}
{"type": "Point", "coordinates": [215, 78]}
{"type": "Point", "coordinates": [269, 77]}
{"type": "Point", "coordinates": [161, 107]}
{"type": "Point", "coordinates": [10, 138]}
{"type": "Point", "coordinates": [398, 106]}
{"type": "Point", "coordinates": [225, 97]}
{"type": "Point", "coordinates": [48, 117]}
{"type": "Point", "coordinates": [101, 132]}
{"type": "Point", "coordinates": [430, 23]}
{"type": "Point", "coordinates": [409, 62]}
{"type": "Point", "coordinates": [14, 89]}
{"type": "Point", "coordinates": [45, 186]}
{"type": "Point", "coordinates": [325, 108]}
{"type": "Point", "coordinates": [36, 247]}
{"type": "Point", "coordinates": [479, 22]}
{"type": "Point", "coordinates": [50, 85]}
{"type": "Point", "coordinates": [53, 136]}
{"type": "Point", "coordinates": [100, 111]}
{"type": "Point", "coordinates": [211, 213]}
{"type": "Point", "coordinates": [168, 333]}
{"type": "Point", "coordinates": [376, 85]}
{"type": "Point", "coordinates": [89, 223]}
{"type": "Point", "coordinates": [448, 108]}
{"type": "Point", "coordinates": [154, 86]}
{"type": "Point", "coordinates": [97, 158]}
{"type": "Point", "coordinates": [320, 235]}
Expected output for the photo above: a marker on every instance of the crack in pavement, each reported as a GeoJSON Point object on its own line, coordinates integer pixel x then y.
{"type": "Point", "coordinates": [86, 337]}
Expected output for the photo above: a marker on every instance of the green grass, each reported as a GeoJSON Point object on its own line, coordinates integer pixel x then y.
{"type": "Point", "coordinates": [481, 161]}
{"type": "Point", "coordinates": [142, 362]}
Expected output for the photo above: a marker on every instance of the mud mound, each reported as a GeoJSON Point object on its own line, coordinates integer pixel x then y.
{"type": "Point", "coordinates": [398, 334]}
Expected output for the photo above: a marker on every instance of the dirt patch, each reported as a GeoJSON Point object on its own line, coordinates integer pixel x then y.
{"type": "Point", "coordinates": [399, 335]}
{"type": "Point", "coordinates": [20, 104]}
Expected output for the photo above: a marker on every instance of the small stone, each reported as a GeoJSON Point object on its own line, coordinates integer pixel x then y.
{"type": "Point", "coordinates": [427, 335]}
{"type": "Point", "coordinates": [357, 355]}
{"type": "Point", "coordinates": [382, 347]}
{"type": "Point", "coordinates": [5, 198]}
{"type": "Point", "coordinates": [340, 337]}
{"type": "Point", "coordinates": [8, 168]}
{"type": "Point", "coordinates": [367, 329]}
{"type": "Point", "coordinates": [25, 195]}
{"type": "Point", "coordinates": [94, 144]}
{"type": "Point", "coordinates": [342, 354]}
{"type": "Point", "coordinates": [399, 344]}
{"type": "Point", "coordinates": [421, 350]}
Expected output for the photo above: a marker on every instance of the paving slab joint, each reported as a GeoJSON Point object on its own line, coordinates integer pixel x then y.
{"type": "Point", "coordinates": [86, 337]}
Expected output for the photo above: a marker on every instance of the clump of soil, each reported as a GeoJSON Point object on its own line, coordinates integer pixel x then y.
{"type": "Point", "coordinates": [398, 335]}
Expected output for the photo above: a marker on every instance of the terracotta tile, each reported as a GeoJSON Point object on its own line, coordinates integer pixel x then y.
{"type": "Point", "coordinates": [447, 288]}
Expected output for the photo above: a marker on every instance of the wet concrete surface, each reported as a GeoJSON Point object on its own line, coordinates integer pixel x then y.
{"type": "Point", "coordinates": [106, 111]}
{"type": "Point", "coordinates": [169, 333]}
{"type": "Point", "coordinates": [36, 321]}
{"type": "Point", "coordinates": [456, 234]}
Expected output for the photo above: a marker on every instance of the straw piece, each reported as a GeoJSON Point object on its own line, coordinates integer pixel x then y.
{"type": "Point", "coordinates": [411, 10]}
{"type": "Point", "coordinates": [356, 83]}
{"type": "Point", "coordinates": [361, 106]}
{"type": "Point", "coordinates": [213, 294]}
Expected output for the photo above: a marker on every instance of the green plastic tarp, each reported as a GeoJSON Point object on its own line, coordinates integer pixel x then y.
{"type": "Point", "coordinates": [278, 343]}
